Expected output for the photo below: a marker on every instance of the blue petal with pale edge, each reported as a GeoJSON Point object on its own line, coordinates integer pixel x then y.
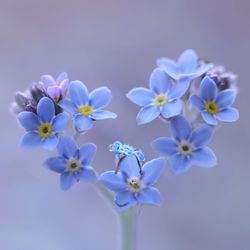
{"type": "Point", "coordinates": [103, 114]}
{"type": "Point", "coordinates": [67, 180]}
{"type": "Point", "coordinates": [180, 88]}
{"type": "Point", "coordinates": [129, 166]}
{"type": "Point", "coordinates": [228, 115]}
{"type": "Point", "coordinates": [165, 146]}
{"type": "Point", "coordinates": [47, 80]}
{"type": "Point", "coordinates": [188, 61]}
{"type": "Point", "coordinates": [197, 102]}
{"type": "Point", "coordinates": [150, 196]}
{"type": "Point", "coordinates": [83, 123]}
{"type": "Point", "coordinates": [113, 181]}
{"type": "Point", "coordinates": [152, 170]}
{"type": "Point", "coordinates": [50, 143]}
{"type": "Point", "coordinates": [202, 70]}
{"type": "Point", "coordinates": [87, 153]}
{"type": "Point", "coordinates": [179, 164]}
{"type": "Point", "coordinates": [160, 82]}
{"type": "Point", "coordinates": [225, 98]}
{"type": "Point", "coordinates": [208, 118]}
{"type": "Point", "coordinates": [208, 89]}
{"type": "Point", "coordinates": [63, 76]}
{"type": "Point", "coordinates": [180, 128]}
{"type": "Point", "coordinates": [100, 97]}
{"type": "Point", "coordinates": [46, 109]}
{"type": "Point", "coordinates": [147, 114]}
{"type": "Point", "coordinates": [68, 106]}
{"type": "Point", "coordinates": [28, 120]}
{"type": "Point", "coordinates": [60, 122]}
{"type": "Point", "coordinates": [141, 96]}
{"type": "Point", "coordinates": [78, 93]}
{"type": "Point", "coordinates": [56, 164]}
{"type": "Point", "coordinates": [31, 140]}
{"type": "Point", "coordinates": [172, 109]}
{"type": "Point", "coordinates": [204, 157]}
{"type": "Point", "coordinates": [67, 147]}
{"type": "Point", "coordinates": [202, 135]}
{"type": "Point", "coordinates": [124, 200]}
{"type": "Point", "coordinates": [88, 174]}
{"type": "Point", "coordinates": [168, 65]}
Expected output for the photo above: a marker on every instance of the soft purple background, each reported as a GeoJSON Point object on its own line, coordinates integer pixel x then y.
{"type": "Point", "coordinates": [116, 43]}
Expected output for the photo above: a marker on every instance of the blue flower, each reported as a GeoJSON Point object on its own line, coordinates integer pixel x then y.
{"type": "Point", "coordinates": [161, 99]}
{"type": "Point", "coordinates": [86, 107]}
{"type": "Point", "coordinates": [42, 128]}
{"type": "Point", "coordinates": [187, 147]}
{"type": "Point", "coordinates": [213, 104]}
{"type": "Point", "coordinates": [132, 187]}
{"type": "Point", "coordinates": [72, 163]}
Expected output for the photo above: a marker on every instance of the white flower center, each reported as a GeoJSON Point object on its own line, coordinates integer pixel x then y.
{"type": "Point", "coordinates": [134, 185]}
{"type": "Point", "coordinates": [73, 165]}
{"type": "Point", "coordinates": [185, 148]}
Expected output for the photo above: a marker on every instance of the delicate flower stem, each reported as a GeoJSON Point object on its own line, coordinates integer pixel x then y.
{"type": "Point", "coordinates": [105, 193]}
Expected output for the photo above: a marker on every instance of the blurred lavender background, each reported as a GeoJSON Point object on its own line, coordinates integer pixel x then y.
{"type": "Point", "coordinates": [116, 43]}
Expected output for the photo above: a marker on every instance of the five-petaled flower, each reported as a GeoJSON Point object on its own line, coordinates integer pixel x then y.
{"type": "Point", "coordinates": [213, 104]}
{"type": "Point", "coordinates": [133, 187]}
{"type": "Point", "coordinates": [161, 99]}
{"type": "Point", "coordinates": [72, 163]}
{"type": "Point", "coordinates": [42, 128]}
{"type": "Point", "coordinates": [87, 107]}
{"type": "Point", "coordinates": [187, 147]}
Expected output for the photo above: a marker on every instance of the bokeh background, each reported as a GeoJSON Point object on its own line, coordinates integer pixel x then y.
{"type": "Point", "coordinates": [116, 43]}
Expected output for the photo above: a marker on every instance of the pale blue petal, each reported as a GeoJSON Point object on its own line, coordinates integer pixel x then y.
{"type": "Point", "coordinates": [31, 140]}
{"type": "Point", "coordinates": [208, 118]}
{"type": "Point", "coordinates": [56, 164]}
{"type": "Point", "coordinates": [204, 157]}
{"type": "Point", "coordinates": [188, 61]}
{"type": "Point", "coordinates": [103, 114]}
{"type": "Point", "coordinates": [60, 122]}
{"type": "Point", "coordinates": [67, 147]}
{"type": "Point", "coordinates": [226, 98]}
{"type": "Point", "coordinates": [180, 128]}
{"type": "Point", "coordinates": [228, 115]}
{"type": "Point", "coordinates": [46, 109]}
{"type": "Point", "coordinates": [124, 200]}
{"type": "Point", "coordinates": [152, 170]}
{"type": "Point", "coordinates": [202, 70]}
{"type": "Point", "coordinates": [113, 181]}
{"type": "Point", "coordinates": [197, 102]}
{"type": "Point", "coordinates": [179, 88]}
{"type": "Point", "coordinates": [165, 146]}
{"type": "Point", "coordinates": [88, 174]}
{"type": "Point", "coordinates": [50, 143]}
{"type": "Point", "coordinates": [67, 180]}
{"type": "Point", "coordinates": [83, 123]}
{"type": "Point", "coordinates": [47, 80]}
{"type": "Point", "coordinates": [169, 66]}
{"type": "Point", "coordinates": [208, 89]}
{"type": "Point", "coordinates": [87, 153]}
{"type": "Point", "coordinates": [202, 135]}
{"type": "Point", "coordinates": [179, 163]}
{"type": "Point", "coordinates": [147, 114]}
{"type": "Point", "coordinates": [54, 92]}
{"type": "Point", "coordinates": [78, 93]}
{"type": "Point", "coordinates": [141, 96]}
{"type": "Point", "coordinates": [28, 120]}
{"type": "Point", "coordinates": [160, 82]}
{"type": "Point", "coordinates": [63, 76]}
{"type": "Point", "coordinates": [68, 106]}
{"type": "Point", "coordinates": [150, 196]}
{"type": "Point", "coordinates": [130, 167]}
{"type": "Point", "coordinates": [100, 97]}
{"type": "Point", "coordinates": [172, 108]}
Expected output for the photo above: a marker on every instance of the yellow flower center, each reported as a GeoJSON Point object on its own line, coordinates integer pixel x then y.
{"type": "Point", "coordinates": [45, 130]}
{"type": "Point", "coordinates": [73, 165]}
{"type": "Point", "coordinates": [160, 100]}
{"type": "Point", "coordinates": [134, 185]}
{"type": "Point", "coordinates": [212, 108]}
{"type": "Point", "coordinates": [85, 110]}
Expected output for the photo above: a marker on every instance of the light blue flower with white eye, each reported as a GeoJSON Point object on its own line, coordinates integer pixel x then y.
{"type": "Point", "coordinates": [133, 187]}
{"type": "Point", "coordinates": [215, 105]}
{"type": "Point", "coordinates": [187, 147]}
{"type": "Point", "coordinates": [160, 100]}
{"type": "Point", "coordinates": [87, 107]}
{"type": "Point", "coordinates": [73, 164]}
{"type": "Point", "coordinates": [42, 128]}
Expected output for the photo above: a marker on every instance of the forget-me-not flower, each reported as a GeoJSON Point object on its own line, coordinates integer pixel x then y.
{"type": "Point", "coordinates": [161, 99]}
{"type": "Point", "coordinates": [213, 104]}
{"type": "Point", "coordinates": [133, 187]}
{"type": "Point", "coordinates": [187, 147]}
{"type": "Point", "coordinates": [42, 128]}
{"type": "Point", "coordinates": [72, 163]}
{"type": "Point", "coordinates": [87, 107]}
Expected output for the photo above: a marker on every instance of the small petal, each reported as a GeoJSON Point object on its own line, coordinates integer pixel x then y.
{"type": "Point", "coordinates": [179, 163]}
{"type": "Point", "coordinates": [88, 174]}
{"type": "Point", "coordinates": [113, 181]}
{"type": "Point", "coordinates": [202, 70]}
{"type": "Point", "coordinates": [60, 122]}
{"type": "Point", "coordinates": [78, 93]}
{"type": "Point", "coordinates": [152, 170]}
{"type": "Point", "coordinates": [147, 114]}
{"type": "Point", "coordinates": [67, 180]}
{"type": "Point", "coordinates": [124, 200]}
{"type": "Point", "coordinates": [172, 109]}
{"type": "Point", "coordinates": [202, 135]}
{"type": "Point", "coordinates": [225, 98]}
{"type": "Point", "coordinates": [188, 60]}
{"type": "Point", "coordinates": [47, 80]}
{"type": "Point", "coordinates": [68, 106]}
{"type": "Point", "coordinates": [56, 164]}
{"type": "Point", "coordinates": [168, 65]}
{"type": "Point", "coordinates": [54, 92]}
{"type": "Point", "coordinates": [87, 153]}
{"type": "Point", "coordinates": [46, 109]}
{"type": "Point", "coordinates": [100, 97]}
{"type": "Point", "coordinates": [208, 89]}
{"type": "Point", "coordinates": [130, 167]}
{"type": "Point", "coordinates": [228, 115]}
{"type": "Point", "coordinates": [103, 114]}
{"type": "Point", "coordinates": [83, 123]}
{"type": "Point", "coordinates": [208, 118]}
{"type": "Point", "coordinates": [141, 96]}
{"type": "Point", "coordinates": [150, 196]}
{"type": "Point", "coordinates": [197, 102]}
{"type": "Point", "coordinates": [180, 88]}
{"type": "Point", "coordinates": [28, 120]}
{"type": "Point", "coordinates": [180, 128]}
{"type": "Point", "coordinates": [50, 143]}
{"type": "Point", "coordinates": [67, 147]}
{"type": "Point", "coordinates": [165, 146]}
{"type": "Point", "coordinates": [63, 76]}
{"type": "Point", "coordinates": [204, 157]}
{"type": "Point", "coordinates": [31, 140]}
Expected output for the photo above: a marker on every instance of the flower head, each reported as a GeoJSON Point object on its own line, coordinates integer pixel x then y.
{"type": "Point", "coordinates": [42, 128]}
{"type": "Point", "coordinates": [87, 107]}
{"type": "Point", "coordinates": [187, 147]}
{"type": "Point", "coordinates": [161, 99]}
{"type": "Point", "coordinates": [73, 163]}
{"type": "Point", "coordinates": [131, 186]}
{"type": "Point", "coordinates": [214, 105]}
